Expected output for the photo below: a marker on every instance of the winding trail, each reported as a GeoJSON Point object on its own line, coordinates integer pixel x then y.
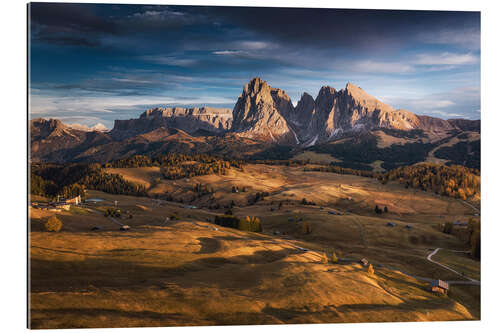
{"type": "Point", "coordinates": [471, 280]}
{"type": "Point", "coordinates": [470, 205]}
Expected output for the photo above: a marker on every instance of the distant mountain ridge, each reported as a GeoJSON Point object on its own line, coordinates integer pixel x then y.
{"type": "Point", "coordinates": [267, 114]}
{"type": "Point", "coordinates": [191, 120]}
{"type": "Point", "coordinates": [262, 123]}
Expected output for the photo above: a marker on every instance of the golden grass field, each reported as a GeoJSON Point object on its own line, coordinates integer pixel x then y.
{"type": "Point", "coordinates": [189, 271]}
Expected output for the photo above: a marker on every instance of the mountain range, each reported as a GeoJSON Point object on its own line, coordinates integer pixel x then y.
{"type": "Point", "coordinates": [262, 120]}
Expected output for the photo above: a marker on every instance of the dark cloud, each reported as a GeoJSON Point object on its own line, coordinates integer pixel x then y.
{"type": "Point", "coordinates": [375, 30]}
{"type": "Point", "coordinates": [68, 24]}
{"type": "Point", "coordinates": [71, 16]}
{"type": "Point", "coordinates": [67, 40]}
{"type": "Point", "coordinates": [344, 27]}
{"type": "Point", "coordinates": [89, 24]}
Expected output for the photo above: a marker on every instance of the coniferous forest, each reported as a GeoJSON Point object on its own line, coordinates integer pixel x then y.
{"type": "Point", "coordinates": [453, 181]}
{"type": "Point", "coordinates": [51, 180]}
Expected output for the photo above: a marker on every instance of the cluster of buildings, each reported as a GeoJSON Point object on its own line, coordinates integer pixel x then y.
{"type": "Point", "coordinates": [59, 205]}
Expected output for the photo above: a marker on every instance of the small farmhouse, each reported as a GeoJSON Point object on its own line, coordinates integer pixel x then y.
{"type": "Point", "coordinates": [364, 262]}
{"type": "Point", "coordinates": [75, 201]}
{"type": "Point", "coordinates": [439, 286]}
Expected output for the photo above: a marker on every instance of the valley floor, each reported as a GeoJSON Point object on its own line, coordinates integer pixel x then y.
{"type": "Point", "coordinates": [189, 271]}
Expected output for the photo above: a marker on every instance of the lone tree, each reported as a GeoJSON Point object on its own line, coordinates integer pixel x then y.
{"type": "Point", "coordinates": [324, 258]}
{"type": "Point", "coordinates": [378, 210]}
{"type": "Point", "coordinates": [371, 271]}
{"type": "Point", "coordinates": [334, 258]}
{"type": "Point", "coordinates": [53, 224]}
{"type": "Point", "coordinates": [385, 209]}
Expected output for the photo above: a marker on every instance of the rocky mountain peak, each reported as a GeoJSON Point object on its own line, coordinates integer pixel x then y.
{"type": "Point", "coordinates": [326, 91]}
{"type": "Point", "coordinates": [48, 123]}
{"type": "Point", "coordinates": [45, 127]}
{"type": "Point", "coordinates": [325, 95]}
{"type": "Point", "coordinates": [305, 103]}
{"type": "Point", "coordinates": [190, 120]}
{"type": "Point", "coordinates": [361, 98]}
{"type": "Point", "coordinates": [254, 86]}
{"type": "Point", "coordinates": [260, 112]}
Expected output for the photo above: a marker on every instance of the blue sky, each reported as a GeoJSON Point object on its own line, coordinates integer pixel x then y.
{"type": "Point", "coordinates": [95, 63]}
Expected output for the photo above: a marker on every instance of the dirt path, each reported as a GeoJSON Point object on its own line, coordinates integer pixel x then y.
{"type": "Point", "coordinates": [429, 258]}
{"type": "Point", "coordinates": [433, 159]}
{"type": "Point", "coordinates": [469, 205]}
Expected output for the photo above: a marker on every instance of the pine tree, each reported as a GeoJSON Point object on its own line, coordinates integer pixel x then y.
{"type": "Point", "coordinates": [324, 258]}
{"type": "Point", "coordinates": [53, 224]}
{"type": "Point", "coordinates": [371, 271]}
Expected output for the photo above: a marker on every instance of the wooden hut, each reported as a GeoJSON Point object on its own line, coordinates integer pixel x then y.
{"type": "Point", "coordinates": [439, 286]}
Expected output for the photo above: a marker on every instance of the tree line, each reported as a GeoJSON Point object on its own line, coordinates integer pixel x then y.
{"type": "Point", "coordinates": [246, 224]}
{"type": "Point", "coordinates": [177, 166]}
{"type": "Point", "coordinates": [71, 180]}
{"type": "Point", "coordinates": [342, 170]}
{"type": "Point", "coordinates": [453, 181]}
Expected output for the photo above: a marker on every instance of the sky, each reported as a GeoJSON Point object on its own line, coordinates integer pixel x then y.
{"type": "Point", "coordinates": [94, 63]}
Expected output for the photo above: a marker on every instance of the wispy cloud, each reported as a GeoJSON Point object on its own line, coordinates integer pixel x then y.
{"type": "Point", "coordinates": [248, 48]}
{"type": "Point", "coordinates": [423, 62]}
{"type": "Point", "coordinates": [446, 58]}
{"type": "Point", "coordinates": [170, 60]}
{"type": "Point", "coordinates": [163, 16]}
{"type": "Point", "coordinates": [431, 104]}
{"type": "Point", "coordinates": [466, 38]}
{"type": "Point", "coordinates": [227, 52]}
{"type": "Point", "coordinates": [255, 45]}
{"type": "Point", "coordinates": [461, 102]}
{"type": "Point", "coordinates": [369, 66]}
{"type": "Point", "coordinates": [158, 14]}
